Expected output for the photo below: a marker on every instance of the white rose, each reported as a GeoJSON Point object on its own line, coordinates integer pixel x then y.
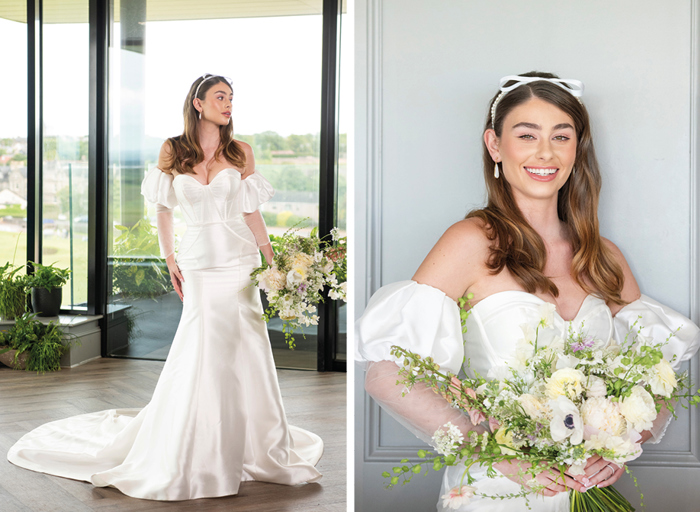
{"type": "Point", "coordinates": [271, 279]}
{"type": "Point", "coordinates": [302, 261]}
{"type": "Point", "coordinates": [601, 413]}
{"type": "Point", "coordinates": [565, 382]}
{"type": "Point", "coordinates": [294, 278]}
{"type": "Point", "coordinates": [639, 409]}
{"type": "Point", "coordinates": [532, 406]}
{"type": "Point", "coordinates": [595, 387]}
{"type": "Point", "coordinates": [662, 379]}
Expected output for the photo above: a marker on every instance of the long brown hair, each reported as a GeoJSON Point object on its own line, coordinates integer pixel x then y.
{"type": "Point", "coordinates": [185, 151]}
{"type": "Point", "coordinates": [515, 244]}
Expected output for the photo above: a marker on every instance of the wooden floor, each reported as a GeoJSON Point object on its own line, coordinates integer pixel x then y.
{"type": "Point", "coordinates": [315, 401]}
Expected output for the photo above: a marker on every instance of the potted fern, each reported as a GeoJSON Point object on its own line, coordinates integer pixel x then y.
{"type": "Point", "coordinates": [47, 293]}
{"type": "Point", "coordinates": [13, 292]}
{"type": "Point", "coordinates": [32, 345]}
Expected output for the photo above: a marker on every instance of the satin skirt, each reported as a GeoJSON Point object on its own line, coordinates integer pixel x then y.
{"type": "Point", "coordinates": [215, 419]}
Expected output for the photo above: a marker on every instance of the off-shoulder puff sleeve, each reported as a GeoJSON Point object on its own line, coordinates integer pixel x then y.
{"type": "Point", "coordinates": [415, 316]}
{"type": "Point", "coordinates": [255, 190]}
{"type": "Point", "coordinates": [658, 322]}
{"type": "Point", "coordinates": [157, 188]}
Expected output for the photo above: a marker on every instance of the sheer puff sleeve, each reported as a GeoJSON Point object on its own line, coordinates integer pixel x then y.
{"type": "Point", "coordinates": [658, 322]}
{"type": "Point", "coordinates": [424, 320]}
{"type": "Point", "coordinates": [415, 316]}
{"type": "Point", "coordinates": [157, 188]}
{"type": "Point", "coordinates": [255, 190]}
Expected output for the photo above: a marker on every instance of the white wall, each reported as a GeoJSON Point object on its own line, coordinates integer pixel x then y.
{"type": "Point", "coordinates": [424, 74]}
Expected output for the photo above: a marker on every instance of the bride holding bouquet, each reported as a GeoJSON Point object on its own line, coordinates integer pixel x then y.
{"type": "Point", "coordinates": [536, 241]}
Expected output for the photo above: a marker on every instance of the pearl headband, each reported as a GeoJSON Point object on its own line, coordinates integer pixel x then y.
{"type": "Point", "coordinates": [206, 77]}
{"type": "Point", "coordinates": [573, 87]}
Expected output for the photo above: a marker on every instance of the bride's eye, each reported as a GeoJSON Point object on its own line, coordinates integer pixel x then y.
{"type": "Point", "coordinates": [526, 136]}
{"type": "Point", "coordinates": [562, 138]}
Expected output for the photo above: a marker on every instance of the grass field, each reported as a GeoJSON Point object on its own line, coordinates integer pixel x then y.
{"type": "Point", "coordinates": [56, 250]}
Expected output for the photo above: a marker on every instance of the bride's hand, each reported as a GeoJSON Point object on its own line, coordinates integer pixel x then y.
{"type": "Point", "coordinates": [599, 472]}
{"type": "Point", "coordinates": [551, 479]}
{"type": "Point", "coordinates": [268, 253]}
{"type": "Point", "coordinates": [175, 275]}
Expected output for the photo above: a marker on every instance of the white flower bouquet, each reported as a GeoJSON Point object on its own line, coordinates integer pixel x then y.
{"type": "Point", "coordinates": [301, 269]}
{"type": "Point", "coordinates": [558, 403]}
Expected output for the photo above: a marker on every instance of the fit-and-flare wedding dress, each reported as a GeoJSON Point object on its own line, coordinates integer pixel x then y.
{"type": "Point", "coordinates": [216, 415]}
{"type": "Point", "coordinates": [424, 320]}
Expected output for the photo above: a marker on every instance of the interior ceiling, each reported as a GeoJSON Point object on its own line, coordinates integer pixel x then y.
{"type": "Point", "coordinates": [75, 11]}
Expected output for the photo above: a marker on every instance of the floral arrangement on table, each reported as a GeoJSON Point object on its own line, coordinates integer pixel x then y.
{"type": "Point", "coordinates": [558, 403]}
{"type": "Point", "coordinates": [302, 267]}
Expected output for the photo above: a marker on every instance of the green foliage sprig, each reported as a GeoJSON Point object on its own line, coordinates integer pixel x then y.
{"type": "Point", "coordinates": [47, 276]}
{"type": "Point", "coordinates": [45, 343]}
{"type": "Point", "coordinates": [13, 292]}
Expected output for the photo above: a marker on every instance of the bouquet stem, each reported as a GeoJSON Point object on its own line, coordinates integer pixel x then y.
{"type": "Point", "coordinates": [607, 499]}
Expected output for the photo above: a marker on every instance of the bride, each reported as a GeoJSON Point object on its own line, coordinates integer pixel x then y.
{"type": "Point", "coordinates": [536, 241]}
{"type": "Point", "coordinates": [216, 416]}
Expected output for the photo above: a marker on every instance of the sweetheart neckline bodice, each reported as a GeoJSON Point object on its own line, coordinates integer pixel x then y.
{"type": "Point", "coordinates": [222, 171]}
{"type": "Point", "coordinates": [540, 300]}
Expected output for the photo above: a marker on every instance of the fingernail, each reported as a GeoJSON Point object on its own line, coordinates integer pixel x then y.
{"type": "Point", "coordinates": [585, 481]}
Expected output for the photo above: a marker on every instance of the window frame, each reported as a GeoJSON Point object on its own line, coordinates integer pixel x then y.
{"type": "Point", "coordinates": [98, 165]}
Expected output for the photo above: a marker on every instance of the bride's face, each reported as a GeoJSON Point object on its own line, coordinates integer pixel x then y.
{"type": "Point", "coordinates": [537, 149]}
{"type": "Point", "coordinates": [216, 106]}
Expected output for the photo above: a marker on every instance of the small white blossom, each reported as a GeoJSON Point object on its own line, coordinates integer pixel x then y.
{"type": "Point", "coordinates": [546, 312]}
{"type": "Point", "coordinates": [448, 439]}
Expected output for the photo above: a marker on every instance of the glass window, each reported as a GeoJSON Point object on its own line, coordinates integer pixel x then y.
{"type": "Point", "coordinates": [345, 124]}
{"type": "Point", "coordinates": [13, 139]}
{"type": "Point", "coordinates": [274, 59]}
{"type": "Point", "coordinates": [64, 178]}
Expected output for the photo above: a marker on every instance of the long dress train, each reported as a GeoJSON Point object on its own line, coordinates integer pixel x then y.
{"type": "Point", "coordinates": [216, 417]}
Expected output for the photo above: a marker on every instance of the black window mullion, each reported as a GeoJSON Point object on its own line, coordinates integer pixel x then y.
{"type": "Point", "coordinates": [328, 318]}
{"type": "Point", "coordinates": [34, 130]}
{"type": "Point", "coordinates": [97, 154]}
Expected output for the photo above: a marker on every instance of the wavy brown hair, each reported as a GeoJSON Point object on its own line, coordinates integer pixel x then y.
{"type": "Point", "coordinates": [185, 151]}
{"type": "Point", "coordinates": [515, 244]}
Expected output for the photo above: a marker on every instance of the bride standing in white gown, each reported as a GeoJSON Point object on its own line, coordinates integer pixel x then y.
{"type": "Point", "coordinates": [216, 416]}
{"type": "Point", "coordinates": [536, 241]}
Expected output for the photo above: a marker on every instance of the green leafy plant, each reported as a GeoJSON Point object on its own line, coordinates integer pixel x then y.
{"type": "Point", "coordinates": [47, 276]}
{"type": "Point", "coordinates": [138, 270]}
{"type": "Point", "coordinates": [13, 292]}
{"type": "Point", "coordinates": [44, 343]}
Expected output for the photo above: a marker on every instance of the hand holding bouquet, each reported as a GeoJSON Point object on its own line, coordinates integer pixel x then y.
{"type": "Point", "coordinates": [301, 269]}
{"type": "Point", "coordinates": [560, 410]}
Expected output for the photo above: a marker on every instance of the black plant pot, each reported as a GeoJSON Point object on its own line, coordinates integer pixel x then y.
{"type": "Point", "coordinates": [47, 303]}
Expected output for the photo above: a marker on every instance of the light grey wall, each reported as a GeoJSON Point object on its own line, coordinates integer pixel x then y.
{"type": "Point", "coordinates": [424, 74]}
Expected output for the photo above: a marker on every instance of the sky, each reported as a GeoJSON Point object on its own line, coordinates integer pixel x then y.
{"type": "Point", "coordinates": [275, 65]}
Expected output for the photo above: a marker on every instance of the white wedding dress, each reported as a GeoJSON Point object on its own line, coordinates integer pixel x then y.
{"type": "Point", "coordinates": [216, 416]}
{"type": "Point", "coordinates": [424, 320]}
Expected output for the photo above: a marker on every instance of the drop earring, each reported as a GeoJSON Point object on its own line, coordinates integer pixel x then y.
{"type": "Point", "coordinates": [200, 115]}
{"type": "Point", "coordinates": [496, 172]}
{"type": "Point", "coordinates": [573, 170]}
